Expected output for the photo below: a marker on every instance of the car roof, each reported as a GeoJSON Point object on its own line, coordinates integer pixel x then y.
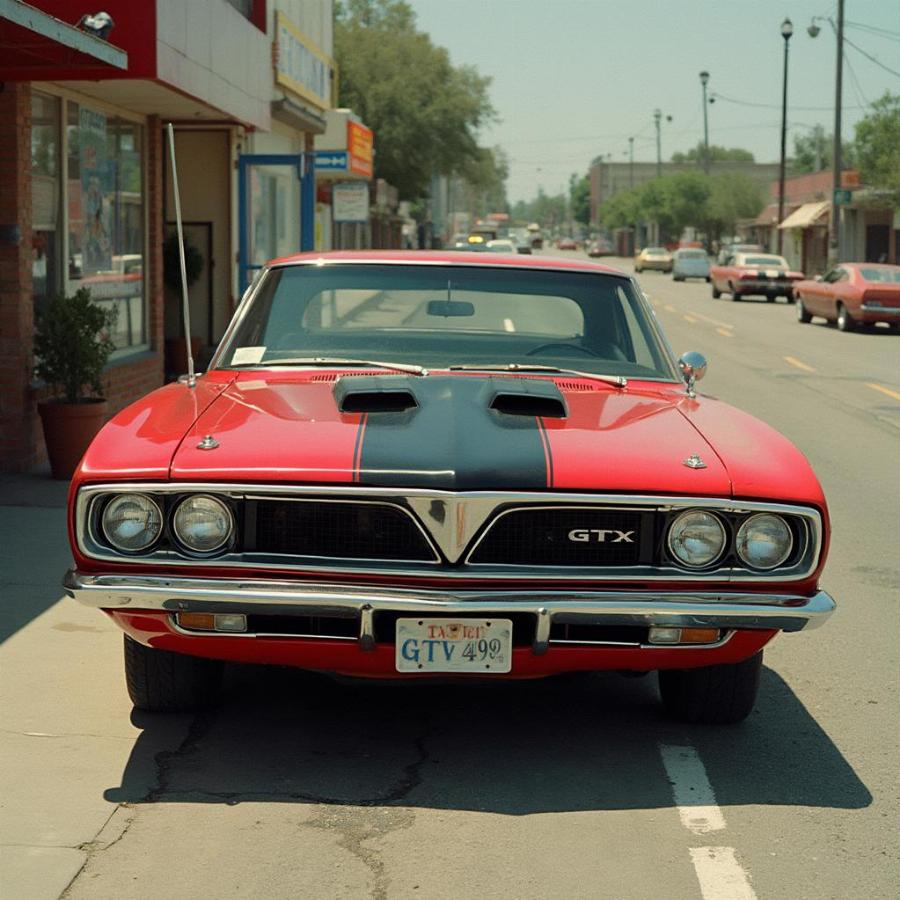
{"type": "Point", "coordinates": [445, 257]}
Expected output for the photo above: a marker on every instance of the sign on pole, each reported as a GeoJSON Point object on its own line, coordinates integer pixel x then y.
{"type": "Point", "coordinates": [350, 201]}
{"type": "Point", "coordinates": [842, 197]}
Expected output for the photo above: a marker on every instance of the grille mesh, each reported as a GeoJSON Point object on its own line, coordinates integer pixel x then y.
{"type": "Point", "coordinates": [339, 530]}
{"type": "Point", "coordinates": [540, 537]}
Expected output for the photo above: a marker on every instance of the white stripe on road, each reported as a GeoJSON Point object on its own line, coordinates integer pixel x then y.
{"type": "Point", "coordinates": [693, 793]}
{"type": "Point", "coordinates": [720, 875]}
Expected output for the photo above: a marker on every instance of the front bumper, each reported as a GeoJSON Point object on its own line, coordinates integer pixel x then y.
{"type": "Point", "coordinates": [724, 610]}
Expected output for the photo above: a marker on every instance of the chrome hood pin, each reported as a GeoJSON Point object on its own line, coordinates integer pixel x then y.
{"type": "Point", "coordinates": [694, 462]}
{"type": "Point", "coordinates": [208, 443]}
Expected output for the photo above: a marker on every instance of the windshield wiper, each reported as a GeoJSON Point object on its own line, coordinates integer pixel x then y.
{"type": "Point", "coordinates": [617, 380]}
{"type": "Point", "coordinates": [338, 361]}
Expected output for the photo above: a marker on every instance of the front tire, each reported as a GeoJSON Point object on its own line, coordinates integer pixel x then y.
{"type": "Point", "coordinates": [162, 681]}
{"type": "Point", "coordinates": [803, 316]}
{"type": "Point", "coordinates": [711, 695]}
{"type": "Point", "coordinates": [844, 322]}
{"type": "Point", "coordinates": [716, 293]}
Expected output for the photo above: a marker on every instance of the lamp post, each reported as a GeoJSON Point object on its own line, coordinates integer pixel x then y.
{"type": "Point", "coordinates": [704, 79]}
{"type": "Point", "coordinates": [631, 163]}
{"type": "Point", "coordinates": [657, 118]}
{"type": "Point", "coordinates": [787, 29]}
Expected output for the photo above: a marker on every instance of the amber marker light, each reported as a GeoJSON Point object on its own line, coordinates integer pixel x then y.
{"type": "Point", "coordinates": [197, 621]}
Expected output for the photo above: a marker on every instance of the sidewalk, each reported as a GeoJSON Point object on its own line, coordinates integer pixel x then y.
{"type": "Point", "coordinates": [67, 734]}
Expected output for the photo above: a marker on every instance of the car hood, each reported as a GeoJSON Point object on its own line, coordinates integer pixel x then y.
{"type": "Point", "coordinates": [647, 438]}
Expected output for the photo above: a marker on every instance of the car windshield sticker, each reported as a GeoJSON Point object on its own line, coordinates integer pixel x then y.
{"type": "Point", "coordinates": [247, 356]}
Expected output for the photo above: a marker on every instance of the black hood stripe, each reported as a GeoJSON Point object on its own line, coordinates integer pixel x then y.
{"type": "Point", "coordinates": [452, 441]}
{"type": "Point", "coordinates": [548, 451]}
{"type": "Point", "coordinates": [357, 448]}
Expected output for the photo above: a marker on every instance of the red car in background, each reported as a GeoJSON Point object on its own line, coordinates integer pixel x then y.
{"type": "Point", "coordinates": [485, 465]}
{"type": "Point", "coordinates": [754, 274]}
{"type": "Point", "coordinates": [852, 294]}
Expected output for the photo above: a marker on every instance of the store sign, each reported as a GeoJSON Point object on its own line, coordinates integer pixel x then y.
{"type": "Point", "coordinates": [350, 201]}
{"type": "Point", "coordinates": [331, 161]}
{"type": "Point", "coordinates": [842, 197]}
{"type": "Point", "coordinates": [360, 146]}
{"type": "Point", "coordinates": [300, 66]}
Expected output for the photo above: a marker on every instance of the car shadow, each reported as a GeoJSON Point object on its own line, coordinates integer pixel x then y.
{"type": "Point", "coordinates": [570, 743]}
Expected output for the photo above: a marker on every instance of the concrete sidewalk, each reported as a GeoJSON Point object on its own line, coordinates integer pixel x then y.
{"type": "Point", "coordinates": [66, 733]}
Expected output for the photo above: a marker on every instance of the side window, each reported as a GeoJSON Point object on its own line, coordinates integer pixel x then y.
{"type": "Point", "coordinates": [842, 275]}
{"type": "Point", "coordinates": [640, 351]}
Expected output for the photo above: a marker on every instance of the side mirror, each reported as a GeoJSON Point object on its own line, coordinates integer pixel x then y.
{"type": "Point", "coordinates": [693, 368]}
{"type": "Point", "coordinates": [819, 278]}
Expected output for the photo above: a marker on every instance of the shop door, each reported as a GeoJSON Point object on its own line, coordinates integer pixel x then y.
{"type": "Point", "coordinates": [271, 195]}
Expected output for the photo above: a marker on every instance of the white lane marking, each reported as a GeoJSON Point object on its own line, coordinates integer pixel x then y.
{"type": "Point", "coordinates": [693, 793]}
{"type": "Point", "coordinates": [797, 364]}
{"type": "Point", "coordinates": [508, 325]}
{"type": "Point", "coordinates": [720, 875]}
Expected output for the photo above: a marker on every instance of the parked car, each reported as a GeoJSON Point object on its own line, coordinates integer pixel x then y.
{"type": "Point", "coordinates": [567, 243]}
{"type": "Point", "coordinates": [600, 247]}
{"type": "Point", "coordinates": [689, 262]}
{"type": "Point", "coordinates": [730, 249]}
{"type": "Point", "coordinates": [657, 258]}
{"type": "Point", "coordinates": [852, 294]}
{"type": "Point", "coordinates": [502, 245]}
{"type": "Point", "coordinates": [524, 482]}
{"type": "Point", "coordinates": [754, 274]}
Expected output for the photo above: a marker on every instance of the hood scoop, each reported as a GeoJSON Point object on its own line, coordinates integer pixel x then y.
{"type": "Point", "coordinates": [374, 393]}
{"type": "Point", "coordinates": [526, 397]}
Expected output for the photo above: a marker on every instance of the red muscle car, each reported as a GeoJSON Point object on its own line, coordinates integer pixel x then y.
{"type": "Point", "coordinates": [754, 274]}
{"type": "Point", "coordinates": [447, 464]}
{"type": "Point", "coordinates": [852, 294]}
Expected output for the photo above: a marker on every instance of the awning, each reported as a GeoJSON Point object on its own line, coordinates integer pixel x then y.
{"type": "Point", "coordinates": [32, 39]}
{"type": "Point", "coordinates": [807, 215]}
{"type": "Point", "coordinates": [769, 216]}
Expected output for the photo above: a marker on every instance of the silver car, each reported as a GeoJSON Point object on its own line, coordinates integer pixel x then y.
{"type": "Point", "coordinates": [690, 262]}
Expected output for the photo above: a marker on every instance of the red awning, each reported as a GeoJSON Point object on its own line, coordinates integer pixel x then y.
{"type": "Point", "coordinates": [32, 40]}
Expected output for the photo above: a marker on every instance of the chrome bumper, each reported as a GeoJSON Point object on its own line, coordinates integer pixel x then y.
{"type": "Point", "coordinates": [889, 312]}
{"type": "Point", "coordinates": [725, 610]}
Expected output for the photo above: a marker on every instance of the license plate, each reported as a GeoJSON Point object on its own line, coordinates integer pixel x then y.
{"type": "Point", "coordinates": [454, 645]}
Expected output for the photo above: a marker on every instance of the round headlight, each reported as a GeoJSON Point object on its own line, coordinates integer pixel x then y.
{"type": "Point", "coordinates": [764, 541]}
{"type": "Point", "coordinates": [203, 524]}
{"type": "Point", "coordinates": [696, 538]}
{"type": "Point", "coordinates": [132, 522]}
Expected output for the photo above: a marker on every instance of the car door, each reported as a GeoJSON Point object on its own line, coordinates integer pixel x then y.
{"type": "Point", "coordinates": [818, 299]}
{"type": "Point", "coordinates": [840, 288]}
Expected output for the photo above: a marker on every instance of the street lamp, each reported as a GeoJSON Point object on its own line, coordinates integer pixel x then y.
{"type": "Point", "coordinates": [834, 240]}
{"type": "Point", "coordinates": [704, 79]}
{"type": "Point", "coordinates": [657, 118]}
{"type": "Point", "coordinates": [631, 163]}
{"type": "Point", "coordinates": [787, 29]}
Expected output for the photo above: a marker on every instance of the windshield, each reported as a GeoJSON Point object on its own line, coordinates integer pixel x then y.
{"type": "Point", "coordinates": [438, 316]}
{"type": "Point", "coordinates": [691, 254]}
{"type": "Point", "coordinates": [776, 261]}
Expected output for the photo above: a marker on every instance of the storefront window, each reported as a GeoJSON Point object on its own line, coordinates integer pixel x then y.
{"type": "Point", "coordinates": [106, 216]}
{"type": "Point", "coordinates": [45, 186]}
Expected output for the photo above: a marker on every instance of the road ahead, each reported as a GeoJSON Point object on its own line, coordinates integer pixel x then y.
{"type": "Point", "coordinates": [298, 786]}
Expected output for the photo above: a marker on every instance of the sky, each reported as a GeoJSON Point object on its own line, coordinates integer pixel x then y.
{"type": "Point", "coordinates": [573, 79]}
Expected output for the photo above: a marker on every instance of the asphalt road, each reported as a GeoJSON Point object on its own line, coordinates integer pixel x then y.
{"type": "Point", "coordinates": [577, 787]}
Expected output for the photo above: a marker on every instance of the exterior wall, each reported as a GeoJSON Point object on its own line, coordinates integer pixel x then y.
{"type": "Point", "coordinates": [314, 19]}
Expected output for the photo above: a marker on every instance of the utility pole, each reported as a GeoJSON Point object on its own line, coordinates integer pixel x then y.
{"type": "Point", "coordinates": [657, 115]}
{"type": "Point", "coordinates": [834, 243]}
{"type": "Point", "coordinates": [787, 29]}
{"type": "Point", "coordinates": [631, 163]}
{"type": "Point", "coordinates": [704, 78]}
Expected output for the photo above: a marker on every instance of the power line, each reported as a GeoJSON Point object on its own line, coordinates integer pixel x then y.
{"type": "Point", "coordinates": [719, 96]}
{"type": "Point", "coordinates": [870, 57]}
{"type": "Point", "coordinates": [856, 85]}
{"type": "Point", "coordinates": [881, 32]}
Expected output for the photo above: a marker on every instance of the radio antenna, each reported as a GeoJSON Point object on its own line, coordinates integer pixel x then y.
{"type": "Point", "coordinates": [191, 377]}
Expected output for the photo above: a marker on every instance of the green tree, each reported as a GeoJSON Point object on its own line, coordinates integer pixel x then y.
{"type": "Point", "coordinates": [878, 146]}
{"type": "Point", "coordinates": [424, 111]}
{"type": "Point", "coordinates": [484, 182]}
{"type": "Point", "coordinates": [813, 152]}
{"type": "Point", "coordinates": [580, 198]}
{"type": "Point", "coordinates": [716, 154]}
{"type": "Point", "coordinates": [732, 197]}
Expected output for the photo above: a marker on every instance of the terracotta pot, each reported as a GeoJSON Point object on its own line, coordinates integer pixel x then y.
{"type": "Point", "coordinates": [68, 429]}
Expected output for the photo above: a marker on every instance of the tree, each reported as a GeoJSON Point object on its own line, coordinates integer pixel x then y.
{"type": "Point", "coordinates": [484, 182]}
{"type": "Point", "coordinates": [580, 198]}
{"type": "Point", "coordinates": [716, 154]}
{"type": "Point", "coordinates": [878, 146]}
{"type": "Point", "coordinates": [813, 151]}
{"type": "Point", "coordinates": [733, 196]}
{"type": "Point", "coordinates": [424, 111]}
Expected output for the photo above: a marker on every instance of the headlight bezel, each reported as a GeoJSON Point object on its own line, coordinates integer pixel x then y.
{"type": "Point", "coordinates": [713, 561]}
{"type": "Point", "coordinates": [756, 567]}
{"type": "Point", "coordinates": [183, 546]}
{"type": "Point", "coordinates": [120, 498]}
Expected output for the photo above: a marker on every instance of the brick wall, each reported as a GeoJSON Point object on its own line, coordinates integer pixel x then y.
{"type": "Point", "coordinates": [21, 439]}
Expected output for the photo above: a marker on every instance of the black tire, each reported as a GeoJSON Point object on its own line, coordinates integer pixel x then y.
{"type": "Point", "coordinates": [803, 316]}
{"type": "Point", "coordinates": [708, 279]}
{"type": "Point", "coordinates": [844, 322]}
{"type": "Point", "coordinates": [712, 695]}
{"type": "Point", "coordinates": [770, 298]}
{"type": "Point", "coordinates": [716, 293]}
{"type": "Point", "coordinates": [162, 681]}
{"type": "Point", "coordinates": [676, 278]}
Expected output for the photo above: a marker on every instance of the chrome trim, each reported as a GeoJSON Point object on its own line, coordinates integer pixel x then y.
{"type": "Point", "coordinates": [452, 519]}
{"type": "Point", "coordinates": [722, 550]}
{"type": "Point", "coordinates": [881, 310]}
{"type": "Point", "coordinates": [740, 556]}
{"type": "Point", "coordinates": [726, 610]}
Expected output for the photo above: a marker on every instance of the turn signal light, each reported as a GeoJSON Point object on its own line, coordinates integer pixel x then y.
{"type": "Point", "coordinates": [234, 623]}
{"type": "Point", "coordinates": [660, 635]}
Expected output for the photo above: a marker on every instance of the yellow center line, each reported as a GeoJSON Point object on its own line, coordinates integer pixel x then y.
{"type": "Point", "coordinates": [711, 321]}
{"type": "Point", "coordinates": [798, 364]}
{"type": "Point", "coordinates": [669, 308]}
{"type": "Point", "coordinates": [884, 390]}
{"type": "Point", "coordinates": [690, 319]}
{"type": "Point", "coordinates": [724, 332]}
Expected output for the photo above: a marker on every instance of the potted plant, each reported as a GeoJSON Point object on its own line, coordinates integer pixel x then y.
{"type": "Point", "coordinates": [72, 345]}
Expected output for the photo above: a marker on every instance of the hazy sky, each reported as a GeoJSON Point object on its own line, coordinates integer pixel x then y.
{"type": "Point", "coordinates": [572, 79]}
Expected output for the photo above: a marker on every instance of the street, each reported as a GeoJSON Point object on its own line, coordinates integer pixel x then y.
{"type": "Point", "coordinates": [299, 785]}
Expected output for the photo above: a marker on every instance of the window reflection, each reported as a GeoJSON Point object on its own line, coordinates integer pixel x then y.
{"type": "Point", "coordinates": [44, 197]}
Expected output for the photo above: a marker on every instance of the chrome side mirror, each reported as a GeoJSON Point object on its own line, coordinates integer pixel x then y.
{"type": "Point", "coordinates": [819, 278]}
{"type": "Point", "coordinates": [693, 368]}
